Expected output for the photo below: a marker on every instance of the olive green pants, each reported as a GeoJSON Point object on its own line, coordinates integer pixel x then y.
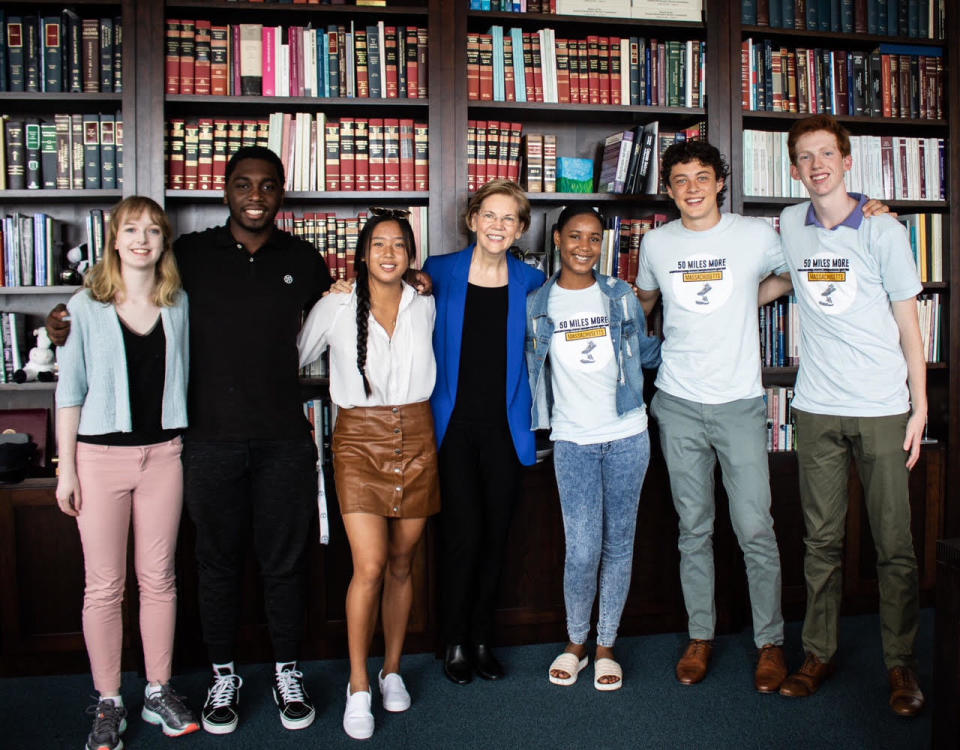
{"type": "Point", "coordinates": [824, 447]}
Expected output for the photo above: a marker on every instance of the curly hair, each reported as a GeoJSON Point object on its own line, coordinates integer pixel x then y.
{"type": "Point", "coordinates": [685, 152]}
{"type": "Point", "coordinates": [363, 282]}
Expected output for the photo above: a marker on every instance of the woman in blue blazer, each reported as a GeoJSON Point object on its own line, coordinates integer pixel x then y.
{"type": "Point", "coordinates": [481, 408]}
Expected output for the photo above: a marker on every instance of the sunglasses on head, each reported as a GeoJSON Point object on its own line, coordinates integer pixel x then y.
{"type": "Point", "coordinates": [393, 213]}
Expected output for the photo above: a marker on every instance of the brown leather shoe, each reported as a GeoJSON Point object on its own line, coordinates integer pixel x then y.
{"type": "Point", "coordinates": [692, 666]}
{"type": "Point", "coordinates": [805, 682]}
{"type": "Point", "coordinates": [905, 696]}
{"type": "Point", "coordinates": [771, 669]}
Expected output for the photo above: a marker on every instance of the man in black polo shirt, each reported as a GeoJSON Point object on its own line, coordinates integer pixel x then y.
{"type": "Point", "coordinates": [249, 462]}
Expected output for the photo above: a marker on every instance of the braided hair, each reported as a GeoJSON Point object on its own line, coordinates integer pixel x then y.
{"type": "Point", "coordinates": [363, 281]}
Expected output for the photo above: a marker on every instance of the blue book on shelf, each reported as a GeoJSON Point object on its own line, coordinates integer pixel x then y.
{"type": "Point", "coordinates": [498, 92]}
{"type": "Point", "coordinates": [893, 16]}
{"type": "Point", "coordinates": [748, 11]}
{"type": "Point", "coordinates": [484, 4]}
{"type": "Point", "coordinates": [789, 14]}
{"type": "Point", "coordinates": [846, 16]}
{"type": "Point", "coordinates": [634, 74]}
{"type": "Point", "coordinates": [333, 69]}
{"type": "Point", "coordinates": [323, 51]}
{"type": "Point", "coordinates": [776, 15]}
{"type": "Point", "coordinates": [834, 14]}
{"type": "Point", "coordinates": [476, 4]}
{"type": "Point", "coordinates": [373, 60]}
{"type": "Point", "coordinates": [888, 48]}
{"type": "Point", "coordinates": [648, 98]}
{"type": "Point", "coordinates": [913, 18]}
{"type": "Point", "coordinates": [519, 70]}
{"type": "Point", "coordinates": [813, 6]}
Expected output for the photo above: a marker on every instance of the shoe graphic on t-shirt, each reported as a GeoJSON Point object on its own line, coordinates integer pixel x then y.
{"type": "Point", "coordinates": [585, 356]}
{"type": "Point", "coordinates": [827, 300]}
{"type": "Point", "coordinates": [703, 295]}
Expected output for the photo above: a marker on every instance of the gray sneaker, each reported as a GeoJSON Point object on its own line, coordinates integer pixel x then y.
{"type": "Point", "coordinates": [109, 720]}
{"type": "Point", "coordinates": [170, 711]}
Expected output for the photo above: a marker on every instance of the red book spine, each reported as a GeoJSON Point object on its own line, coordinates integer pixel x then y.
{"type": "Point", "coordinates": [187, 39]}
{"type": "Point", "coordinates": [473, 67]}
{"type": "Point", "coordinates": [361, 148]}
{"type": "Point", "coordinates": [332, 157]}
{"type": "Point", "coordinates": [391, 153]}
{"type": "Point", "coordinates": [509, 83]}
{"type": "Point", "coordinates": [528, 66]}
{"type": "Point", "coordinates": [390, 57]}
{"type": "Point", "coordinates": [593, 68]}
{"type": "Point", "coordinates": [421, 156]}
{"type": "Point", "coordinates": [205, 155]}
{"type": "Point", "coordinates": [471, 155]}
{"type": "Point", "coordinates": [486, 67]}
{"type": "Point", "coordinates": [413, 71]}
{"type": "Point", "coordinates": [201, 70]}
{"type": "Point", "coordinates": [172, 57]}
{"type": "Point", "coordinates": [347, 151]}
{"type": "Point", "coordinates": [574, 56]}
{"type": "Point", "coordinates": [423, 39]}
{"type": "Point", "coordinates": [603, 68]}
{"type": "Point", "coordinates": [584, 61]}
{"type": "Point", "coordinates": [513, 165]}
{"type": "Point", "coordinates": [615, 70]}
{"type": "Point", "coordinates": [481, 153]}
{"type": "Point", "coordinates": [537, 68]}
{"type": "Point", "coordinates": [407, 168]}
{"type": "Point", "coordinates": [219, 57]}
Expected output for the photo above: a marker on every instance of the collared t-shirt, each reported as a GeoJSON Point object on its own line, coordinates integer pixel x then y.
{"type": "Point", "coordinates": [584, 371]}
{"type": "Point", "coordinates": [245, 314]}
{"type": "Point", "coordinates": [709, 282]}
{"type": "Point", "coordinates": [851, 363]}
{"type": "Point", "coordinates": [400, 368]}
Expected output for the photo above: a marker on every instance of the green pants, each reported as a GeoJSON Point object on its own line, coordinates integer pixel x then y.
{"type": "Point", "coordinates": [824, 446]}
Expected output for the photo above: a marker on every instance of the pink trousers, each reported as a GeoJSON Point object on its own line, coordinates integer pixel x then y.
{"type": "Point", "coordinates": [117, 482]}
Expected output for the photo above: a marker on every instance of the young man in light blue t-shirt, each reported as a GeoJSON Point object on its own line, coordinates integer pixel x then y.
{"type": "Point", "coordinates": [860, 391]}
{"type": "Point", "coordinates": [707, 266]}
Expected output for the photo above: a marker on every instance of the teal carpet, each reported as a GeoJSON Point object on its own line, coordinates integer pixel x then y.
{"type": "Point", "coordinates": [525, 711]}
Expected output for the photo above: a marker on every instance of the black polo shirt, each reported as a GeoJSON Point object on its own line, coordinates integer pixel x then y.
{"type": "Point", "coordinates": [245, 313]}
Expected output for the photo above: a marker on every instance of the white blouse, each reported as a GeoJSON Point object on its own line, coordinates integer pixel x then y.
{"type": "Point", "coordinates": [400, 370]}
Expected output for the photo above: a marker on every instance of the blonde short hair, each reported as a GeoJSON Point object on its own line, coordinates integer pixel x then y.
{"type": "Point", "coordinates": [105, 281]}
{"type": "Point", "coordinates": [500, 187]}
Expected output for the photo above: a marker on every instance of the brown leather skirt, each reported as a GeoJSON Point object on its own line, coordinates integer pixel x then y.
{"type": "Point", "coordinates": [385, 461]}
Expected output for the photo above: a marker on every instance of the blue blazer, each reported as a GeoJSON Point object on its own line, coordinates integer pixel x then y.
{"type": "Point", "coordinates": [450, 274]}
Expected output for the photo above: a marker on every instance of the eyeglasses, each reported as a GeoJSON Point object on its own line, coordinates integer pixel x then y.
{"type": "Point", "coordinates": [488, 217]}
{"type": "Point", "coordinates": [393, 213]}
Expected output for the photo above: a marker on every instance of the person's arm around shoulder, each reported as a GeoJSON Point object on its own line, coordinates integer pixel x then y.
{"type": "Point", "coordinates": [774, 287]}
{"type": "Point", "coordinates": [905, 313]}
{"type": "Point", "coordinates": [313, 336]}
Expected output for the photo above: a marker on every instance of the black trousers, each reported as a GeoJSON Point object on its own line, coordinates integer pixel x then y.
{"type": "Point", "coordinates": [262, 491]}
{"type": "Point", "coordinates": [479, 478]}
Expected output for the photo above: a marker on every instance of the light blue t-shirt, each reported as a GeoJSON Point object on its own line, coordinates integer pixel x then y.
{"type": "Point", "coordinates": [584, 370]}
{"type": "Point", "coordinates": [851, 363]}
{"type": "Point", "coordinates": [709, 282]}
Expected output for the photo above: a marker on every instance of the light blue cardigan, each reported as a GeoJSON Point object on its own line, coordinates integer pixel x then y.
{"type": "Point", "coordinates": [93, 366]}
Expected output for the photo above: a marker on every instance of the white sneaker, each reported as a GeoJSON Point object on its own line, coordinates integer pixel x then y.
{"type": "Point", "coordinates": [394, 692]}
{"type": "Point", "coordinates": [357, 717]}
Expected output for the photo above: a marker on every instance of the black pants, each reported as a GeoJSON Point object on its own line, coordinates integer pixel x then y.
{"type": "Point", "coordinates": [260, 489]}
{"type": "Point", "coordinates": [479, 477]}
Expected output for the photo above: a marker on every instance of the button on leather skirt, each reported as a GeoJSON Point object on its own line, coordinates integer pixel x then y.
{"type": "Point", "coordinates": [385, 461]}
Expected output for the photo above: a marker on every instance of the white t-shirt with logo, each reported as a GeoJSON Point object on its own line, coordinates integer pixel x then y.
{"type": "Point", "coordinates": [709, 282]}
{"type": "Point", "coordinates": [584, 371]}
{"type": "Point", "coordinates": [851, 363]}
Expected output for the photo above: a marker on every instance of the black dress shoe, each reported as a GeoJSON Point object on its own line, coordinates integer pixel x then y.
{"type": "Point", "coordinates": [456, 665]}
{"type": "Point", "coordinates": [487, 665]}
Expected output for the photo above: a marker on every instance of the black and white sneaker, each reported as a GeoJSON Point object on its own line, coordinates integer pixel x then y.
{"type": "Point", "coordinates": [109, 721]}
{"type": "Point", "coordinates": [221, 712]}
{"type": "Point", "coordinates": [296, 710]}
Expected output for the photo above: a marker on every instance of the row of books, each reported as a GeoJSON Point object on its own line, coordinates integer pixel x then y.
{"type": "Point", "coordinates": [335, 237]}
{"type": "Point", "coordinates": [33, 247]}
{"type": "Point", "coordinates": [12, 336]}
{"type": "Point", "coordinates": [375, 61]}
{"type": "Point", "coordinates": [81, 151]}
{"type": "Point", "coordinates": [61, 53]}
{"type": "Point", "coordinates": [321, 414]}
{"type": "Point", "coordinates": [928, 311]}
{"type": "Point", "coordinates": [923, 19]}
{"type": "Point", "coordinates": [675, 10]}
{"type": "Point", "coordinates": [780, 431]}
{"type": "Point", "coordinates": [514, 65]}
{"type": "Point", "coordinates": [885, 167]}
{"type": "Point", "coordinates": [366, 154]}
{"type": "Point", "coordinates": [493, 151]}
{"type": "Point", "coordinates": [630, 160]}
{"type": "Point", "coordinates": [891, 81]}
{"type": "Point", "coordinates": [926, 240]}
{"type": "Point", "coordinates": [779, 334]}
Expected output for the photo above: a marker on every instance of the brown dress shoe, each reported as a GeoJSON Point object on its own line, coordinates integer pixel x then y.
{"type": "Point", "coordinates": [771, 669]}
{"type": "Point", "coordinates": [905, 696]}
{"type": "Point", "coordinates": [692, 666]}
{"type": "Point", "coordinates": [805, 682]}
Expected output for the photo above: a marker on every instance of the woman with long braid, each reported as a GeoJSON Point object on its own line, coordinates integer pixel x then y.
{"type": "Point", "coordinates": [382, 373]}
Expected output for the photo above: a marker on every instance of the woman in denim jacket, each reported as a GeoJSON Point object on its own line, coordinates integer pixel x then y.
{"type": "Point", "coordinates": [589, 392]}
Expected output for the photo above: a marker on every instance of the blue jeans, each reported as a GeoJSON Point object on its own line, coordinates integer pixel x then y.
{"type": "Point", "coordinates": [599, 493]}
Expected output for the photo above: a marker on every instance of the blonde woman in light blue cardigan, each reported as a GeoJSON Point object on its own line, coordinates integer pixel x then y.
{"type": "Point", "coordinates": [121, 406]}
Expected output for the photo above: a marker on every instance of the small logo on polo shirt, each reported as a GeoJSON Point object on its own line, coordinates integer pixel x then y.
{"type": "Point", "coordinates": [288, 279]}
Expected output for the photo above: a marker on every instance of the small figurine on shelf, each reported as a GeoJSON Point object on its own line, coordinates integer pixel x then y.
{"type": "Point", "coordinates": [76, 266]}
{"type": "Point", "coordinates": [40, 364]}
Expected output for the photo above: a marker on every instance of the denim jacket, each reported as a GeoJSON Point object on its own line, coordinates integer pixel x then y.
{"type": "Point", "coordinates": [628, 329]}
